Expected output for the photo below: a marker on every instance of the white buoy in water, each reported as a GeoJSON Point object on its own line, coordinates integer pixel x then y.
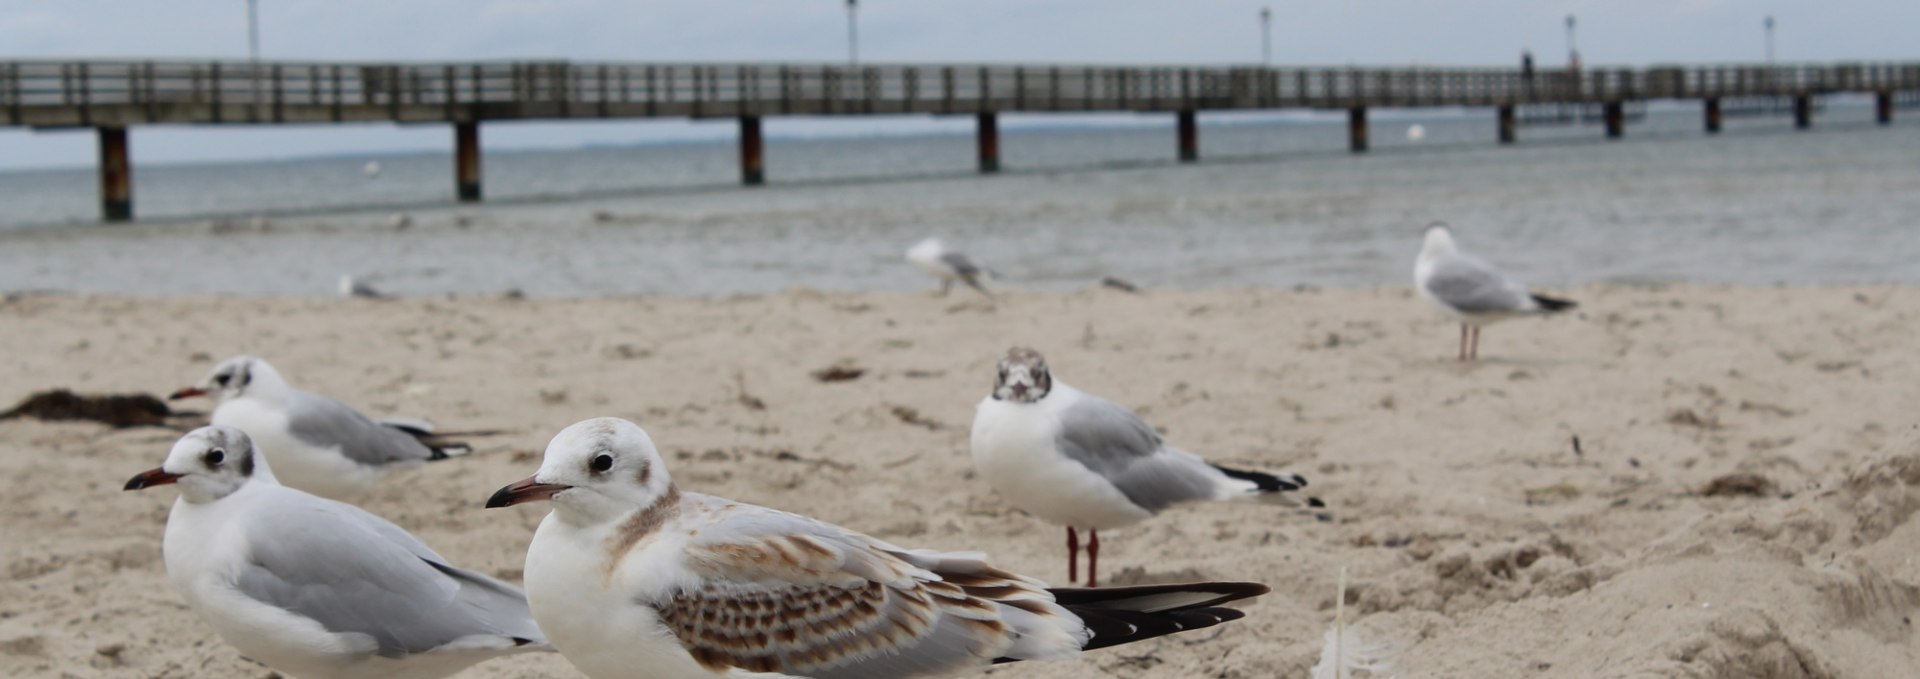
{"type": "Point", "coordinates": [372, 168]}
{"type": "Point", "coordinates": [1416, 132]}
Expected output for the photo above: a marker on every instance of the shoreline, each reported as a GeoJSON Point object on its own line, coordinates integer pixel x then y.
{"type": "Point", "coordinates": [1480, 540]}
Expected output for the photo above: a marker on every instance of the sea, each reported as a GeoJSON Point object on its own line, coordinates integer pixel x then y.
{"type": "Point", "coordinates": [1275, 201]}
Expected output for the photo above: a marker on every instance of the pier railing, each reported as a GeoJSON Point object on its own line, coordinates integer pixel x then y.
{"type": "Point", "coordinates": [120, 93]}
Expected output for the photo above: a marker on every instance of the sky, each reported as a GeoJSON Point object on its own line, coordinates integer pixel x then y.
{"type": "Point", "coordinates": [1304, 32]}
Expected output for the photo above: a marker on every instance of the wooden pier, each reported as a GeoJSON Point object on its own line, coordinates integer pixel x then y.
{"type": "Point", "coordinates": [112, 96]}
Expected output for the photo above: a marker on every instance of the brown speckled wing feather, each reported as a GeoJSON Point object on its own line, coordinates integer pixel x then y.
{"type": "Point", "coordinates": [812, 600]}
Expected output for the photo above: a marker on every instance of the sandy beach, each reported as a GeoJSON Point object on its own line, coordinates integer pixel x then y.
{"type": "Point", "coordinates": [1677, 480]}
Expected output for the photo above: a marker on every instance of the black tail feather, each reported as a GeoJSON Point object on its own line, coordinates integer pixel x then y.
{"type": "Point", "coordinates": [1119, 615]}
{"type": "Point", "coordinates": [1112, 628]}
{"type": "Point", "coordinates": [440, 450]}
{"type": "Point", "coordinates": [1552, 304]}
{"type": "Point", "coordinates": [436, 443]}
{"type": "Point", "coordinates": [1268, 483]}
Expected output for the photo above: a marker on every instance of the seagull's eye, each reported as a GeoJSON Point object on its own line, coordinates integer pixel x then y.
{"type": "Point", "coordinates": [215, 457]}
{"type": "Point", "coordinates": [221, 379]}
{"type": "Point", "coordinates": [602, 463]}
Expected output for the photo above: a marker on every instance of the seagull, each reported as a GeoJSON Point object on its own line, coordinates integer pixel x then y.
{"type": "Point", "coordinates": [1471, 291]}
{"type": "Point", "coordinates": [352, 287]}
{"type": "Point", "coordinates": [320, 445]}
{"type": "Point", "coordinates": [1084, 462]}
{"type": "Point", "coordinates": [317, 588]}
{"type": "Point", "coordinates": [947, 265]}
{"type": "Point", "coordinates": [630, 576]}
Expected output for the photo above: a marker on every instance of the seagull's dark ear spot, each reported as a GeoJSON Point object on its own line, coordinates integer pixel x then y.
{"type": "Point", "coordinates": [644, 473]}
{"type": "Point", "coordinates": [246, 464]}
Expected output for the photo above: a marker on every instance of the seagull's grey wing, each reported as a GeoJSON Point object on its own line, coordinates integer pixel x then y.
{"type": "Point", "coordinates": [324, 422]}
{"type": "Point", "coordinates": [1118, 445]}
{"type": "Point", "coordinates": [1471, 286]}
{"type": "Point", "coordinates": [964, 267]}
{"type": "Point", "coordinates": [777, 592]}
{"type": "Point", "coordinates": [355, 573]}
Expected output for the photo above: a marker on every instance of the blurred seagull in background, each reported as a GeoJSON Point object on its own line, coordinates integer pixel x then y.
{"type": "Point", "coordinates": [630, 576]}
{"type": "Point", "coordinates": [1087, 463]}
{"type": "Point", "coordinates": [351, 286]}
{"type": "Point", "coordinates": [319, 445]}
{"type": "Point", "coordinates": [1471, 291]}
{"type": "Point", "coordinates": [316, 588]}
{"type": "Point", "coordinates": [948, 265]}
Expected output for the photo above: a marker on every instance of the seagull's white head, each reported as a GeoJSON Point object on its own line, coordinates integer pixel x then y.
{"type": "Point", "coordinates": [927, 251]}
{"type": "Point", "coordinates": [598, 469]}
{"type": "Point", "coordinates": [1023, 377]}
{"type": "Point", "coordinates": [208, 463]}
{"type": "Point", "coordinates": [1439, 242]}
{"type": "Point", "coordinates": [236, 377]}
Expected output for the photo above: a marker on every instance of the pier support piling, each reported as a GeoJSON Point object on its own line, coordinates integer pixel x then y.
{"type": "Point", "coordinates": [1509, 128]}
{"type": "Point", "coordinates": [987, 136]}
{"type": "Point", "coordinates": [1189, 136]}
{"type": "Point", "coordinates": [1712, 115]}
{"type": "Point", "coordinates": [1883, 107]}
{"type": "Point", "coordinates": [116, 175]}
{"type": "Point", "coordinates": [1802, 112]}
{"type": "Point", "coordinates": [466, 161]}
{"type": "Point", "coordinates": [1357, 129]}
{"type": "Point", "coordinates": [752, 162]}
{"type": "Point", "coordinates": [1615, 114]}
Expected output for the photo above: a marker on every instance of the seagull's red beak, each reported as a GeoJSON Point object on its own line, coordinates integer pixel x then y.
{"type": "Point", "coordinates": [187, 392]}
{"type": "Point", "coordinates": [524, 490]}
{"type": "Point", "coordinates": [150, 478]}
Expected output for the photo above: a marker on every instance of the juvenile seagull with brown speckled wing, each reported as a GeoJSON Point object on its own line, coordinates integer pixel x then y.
{"type": "Point", "coordinates": [630, 577]}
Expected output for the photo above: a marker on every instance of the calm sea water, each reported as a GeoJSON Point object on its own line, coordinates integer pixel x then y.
{"type": "Point", "coordinates": [1272, 203]}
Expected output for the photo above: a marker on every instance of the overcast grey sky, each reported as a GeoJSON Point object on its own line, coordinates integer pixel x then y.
{"type": "Point", "coordinates": [1305, 32]}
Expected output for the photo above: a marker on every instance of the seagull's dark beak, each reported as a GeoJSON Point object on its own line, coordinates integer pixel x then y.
{"type": "Point", "coordinates": [187, 392]}
{"type": "Point", "coordinates": [150, 478]}
{"type": "Point", "coordinates": [524, 490]}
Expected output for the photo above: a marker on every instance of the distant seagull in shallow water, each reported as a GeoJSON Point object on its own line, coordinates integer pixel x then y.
{"type": "Point", "coordinates": [1087, 463]}
{"type": "Point", "coordinates": [355, 287]}
{"type": "Point", "coordinates": [947, 265]}
{"type": "Point", "coordinates": [317, 444]}
{"type": "Point", "coordinates": [316, 588]}
{"type": "Point", "coordinates": [632, 577]}
{"type": "Point", "coordinates": [1471, 291]}
{"type": "Point", "coordinates": [371, 169]}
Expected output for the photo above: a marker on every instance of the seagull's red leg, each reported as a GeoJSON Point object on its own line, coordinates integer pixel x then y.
{"type": "Point", "coordinates": [1093, 558]}
{"type": "Point", "coordinates": [1463, 341]}
{"type": "Point", "coordinates": [1073, 556]}
{"type": "Point", "coordinates": [1475, 352]}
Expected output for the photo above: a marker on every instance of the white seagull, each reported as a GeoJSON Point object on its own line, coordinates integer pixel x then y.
{"type": "Point", "coordinates": [947, 265]}
{"type": "Point", "coordinates": [1471, 291]}
{"type": "Point", "coordinates": [631, 577]}
{"type": "Point", "coordinates": [317, 588]}
{"type": "Point", "coordinates": [1087, 463]}
{"type": "Point", "coordinates": [318, 445]}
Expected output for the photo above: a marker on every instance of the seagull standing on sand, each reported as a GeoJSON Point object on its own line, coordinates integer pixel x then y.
{"type": "Point", "coordinates": [947, 265]}
{"type": "Point", "coordinates": [631, 577]}
{"type": "Point", "coordinates": [317, 588]}
{"type": "Point", "coordinates": [319, 445]}
{"type": "Point", "coordinates": [1471, 291]}
{"type": "Point", "coordinates": [1086, 463]}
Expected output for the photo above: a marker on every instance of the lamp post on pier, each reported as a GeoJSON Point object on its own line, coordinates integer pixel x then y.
{"type": "Point", "coordinates": [253, 51]}
{"type": "Point", "coordinates": [853, 33]}
{"type": "Point", "coordinates": [1769, 25]}
{"type": "Point", "coordinates": [1266, 36]}
{"type": "Point", "coordinates": [1573, 48]}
